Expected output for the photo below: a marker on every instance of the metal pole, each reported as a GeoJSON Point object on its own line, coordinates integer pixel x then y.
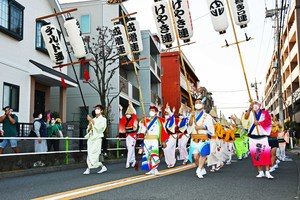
{"type": "Point", "coordinates": [280, 98]}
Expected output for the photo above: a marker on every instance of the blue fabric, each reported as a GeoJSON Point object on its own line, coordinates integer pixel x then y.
{"type": "Point", "coordinates": [152, 122]}
{"type": "Point", "coordinates": [204, 149]}
{"type": "Point", "coordinates": [257, 116]}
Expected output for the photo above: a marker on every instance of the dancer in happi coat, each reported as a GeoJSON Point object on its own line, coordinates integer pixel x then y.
{"type": "Point", "coordinates": [260, 127]}
{"type": "Point", "coordinates": [241, 148]}
{"type": "Point", "coordinates": [222, 142]}
{"type": "Point", "coordinates": [183, 136]}
{"type": "Point", "coordinates": [129, 125]}
{"type": "Point", "coordinates": [170, 125]}
{"type": "Point", "coordinates": [273, 141]}
{"type": "Point", "coordinates": [229, 138]}
{"type": "Point", "coordinates": [155, 134]}
{"type": "Point", "coordinates": [213, 159]}
{"type": "Point", "coordinates": [283, 139]}
{"type": "Point", "coordinates": [201, 128]}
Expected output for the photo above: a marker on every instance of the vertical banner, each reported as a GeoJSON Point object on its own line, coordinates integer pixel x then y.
{"type": "Point", "coordinates": [120, 37]}
{"type": "Point", "coordinates": [161, 12]}
{"type": "Point", "coordinates": [183, 19]}
{"type": "Point", "coordinates": [53, 44]}
{"type": "Point", "coordinates": [134, 34]}
{"type": "Point", "coordinates": [240, 12]}
{"type": "Point", "coordinates": [75, 37]}
{"type": "Point", "coordinates": [218, 15]}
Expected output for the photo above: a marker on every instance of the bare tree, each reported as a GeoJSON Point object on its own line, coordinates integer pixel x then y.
{"type": "Point", "coordinates": [105, 55]}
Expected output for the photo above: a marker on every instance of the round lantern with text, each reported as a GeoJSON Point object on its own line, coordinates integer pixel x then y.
{"type": "Point", "coordinates": [183, 19]}
{"type": "Point", "coordinates": [53, 44]}
{"type": "Point", "coordinates": [134, 34]}
{"type": "Point", "coordinates": [121, 41]}
{"type": "Point", "coordinates": [240, 12]}
{"type": "Point", "coordinates": [162, 17]}
{"type": "Point", "coordinates": [218, 15]}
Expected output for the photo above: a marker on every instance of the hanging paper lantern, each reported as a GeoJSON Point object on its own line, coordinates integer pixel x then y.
{"type": "Point", "coordinates": [161, 12]}
{"type": "Point", "coordinates": [75, 37]}
{"type": "Point", "coordinates": [240, 12]}
{"type": "Point", "coordinates": [53, 45]}
{"type": "Point", "coordinates": [115, 1]}
{"type": "Point", "coordinates": [134, 35]}
{"type": "Point", "coordinates": [183, 19]}
{"type": "Point", "coordinates": [218, 15]}
{"type": "Point", "coordinates": [121, 39]}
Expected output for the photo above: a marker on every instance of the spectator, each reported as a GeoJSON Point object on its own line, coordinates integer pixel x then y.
{"type": "Point", "coordinates": [54, 131]}
{"type": "Point", "coordinates": [10, 122]}
{"type": "Point", "coordinates": [40, 129]}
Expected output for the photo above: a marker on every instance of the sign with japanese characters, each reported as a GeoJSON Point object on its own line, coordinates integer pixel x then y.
{"type": "Point", "coordinates": [134, 35]}
{"type": "Point", "coordinates": [218, 15]}
{"type": "Point", "coordinates": [161, 12]}
{"type": "Point", "coordinates": [75, 37]}
{"type": "Point", "coordinates": [53, 44]}
{"type": "Point", "coordinates": [183, 19]}
{"type": "Point", "coordinates": [240, 12]}
{"type": "Point", "coordinates": [121, 39]}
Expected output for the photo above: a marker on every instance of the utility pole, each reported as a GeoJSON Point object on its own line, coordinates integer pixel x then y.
{"type": "Point", "coordinates": [255, 87]}
{"type": "Point", "coordinates": [278, 31]}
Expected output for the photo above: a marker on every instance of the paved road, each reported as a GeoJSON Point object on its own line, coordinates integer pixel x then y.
{"type": "Point", "coordinates": [236, 181]}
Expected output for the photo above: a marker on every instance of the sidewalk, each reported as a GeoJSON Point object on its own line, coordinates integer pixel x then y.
{"type": "Point", "coordinates": [295, 150]}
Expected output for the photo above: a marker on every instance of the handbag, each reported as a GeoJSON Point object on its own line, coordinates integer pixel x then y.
{"type": "Point", "coordinates": [32, 133]}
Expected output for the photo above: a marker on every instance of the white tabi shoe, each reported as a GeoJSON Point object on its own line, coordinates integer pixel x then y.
{"type": "Point", "coordinates": [150, 172]}
{"type": "Point", "coordinates": [171, 166]}
{"type": "Point", "coordinates": [268, 175]}
{"type": "Point", "coordinates": [278, 161]}
{"type": "Point", "coordinates": [127, 165]}
{"type": "Point", "coordinates": [203, 171]}
{"type": "Point", "coordinates": [260, 174]}
{"type": "Point", "coordinates": [133, 164]}
{"type": "Point", "coordinates": [272, 169]}
{"type": "Point", "coordinates": [87, 171]}
{"type": "Point", "coordinates": [103, 169]}
{"type": "Point", "coordinates": [156, 172]}
{"type": "Point", "coordinates": [184, 162]}
{"type": "Point", "coordinates": [198, 171]}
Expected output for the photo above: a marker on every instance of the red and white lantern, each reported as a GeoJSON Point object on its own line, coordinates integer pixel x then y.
{"type": "Point", "coordinates": [134, 35]}
{"type": "Point", "coordinates": [161, 12]}
{"type": "Point", "coordinates": [121, 41]}
{"type": "Point", "coordinates": [75, 37]}
{"type": "Point", "coordinates": [218, 15]}
{"type": "Point", "coordinates": [53, 44]}
{"type": "Point", "coordinates": [183, 19]}
{"type": "Point", "coordinates": [240, 12]}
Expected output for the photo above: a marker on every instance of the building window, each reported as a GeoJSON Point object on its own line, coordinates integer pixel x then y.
{"type": "Point", "coordinates": [87, 67]}
{"type": "Point", "coordinates": [11, 18]}
{"type": "Point", "coordinates": [85, 24]}
{"type": "Point", "coordinates": [39, 41]}
{"type": "Point", "coordinates": [11, 96]}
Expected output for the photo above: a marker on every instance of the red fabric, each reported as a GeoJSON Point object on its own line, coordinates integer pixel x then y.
{"type": "Point", "coordinates": [86, 75]}
{"type": "Point", "coordinates": [132, 123]}
{"type": "Point", "coordinates": [267, 122]}
{"type": "Point", "coordinates": [63, 83]}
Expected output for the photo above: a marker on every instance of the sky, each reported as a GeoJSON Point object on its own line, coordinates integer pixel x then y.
{"type": "Point", "coordinates": [219, 69]}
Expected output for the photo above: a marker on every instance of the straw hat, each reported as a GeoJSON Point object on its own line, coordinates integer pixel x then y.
{"type": "Point", "coordinates": [130, 110]}
{"type": "Point", "coordinates": [214, 112]}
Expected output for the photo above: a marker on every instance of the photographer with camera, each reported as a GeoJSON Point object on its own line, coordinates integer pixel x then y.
{"type": "Point", "coordinates": [10, 122]}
